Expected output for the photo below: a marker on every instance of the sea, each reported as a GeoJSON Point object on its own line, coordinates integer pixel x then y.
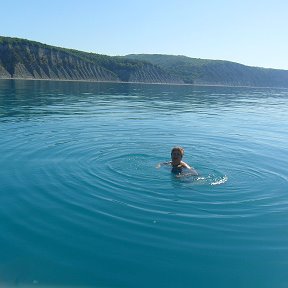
{"type": "Point", "coordinates": [83, 203]}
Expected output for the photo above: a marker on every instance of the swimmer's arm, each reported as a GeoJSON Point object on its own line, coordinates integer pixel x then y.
{"type": "Point", "coordinates": [191, 172]}
{"type": "Point", "coordinates": [163, 164]}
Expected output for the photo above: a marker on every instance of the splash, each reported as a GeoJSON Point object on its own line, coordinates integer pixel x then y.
{"type": "Point", "coordinates": [210, 179]}
{"type": "Point", "coordinates": [220, 181]}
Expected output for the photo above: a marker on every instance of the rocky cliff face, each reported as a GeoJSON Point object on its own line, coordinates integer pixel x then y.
{"type": "Point", "coordinates": [31, 60]}
{"type": "Point", "coordinates": [152, 74]}
{"type": "Point", "coordinates": [4, 73]}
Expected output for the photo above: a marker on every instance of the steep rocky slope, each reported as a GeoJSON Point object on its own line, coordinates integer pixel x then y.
{"type": "Point", "coordinates": [21, 58]}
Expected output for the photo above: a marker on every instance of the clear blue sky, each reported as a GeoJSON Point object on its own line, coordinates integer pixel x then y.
{"type": "Point", "coordinates": [251, 32]}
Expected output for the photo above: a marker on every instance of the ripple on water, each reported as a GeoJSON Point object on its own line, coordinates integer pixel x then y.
{"type": "Point", "coordinates": [113, 174]}
{"type": "Point", "coordinates": [81, 191]}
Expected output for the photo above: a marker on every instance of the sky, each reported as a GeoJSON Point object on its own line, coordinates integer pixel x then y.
{"type": "Point", "coordinates": [250, 32]}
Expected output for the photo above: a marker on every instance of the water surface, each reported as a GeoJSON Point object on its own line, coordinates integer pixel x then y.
{"type": "Point", "coordinates": [83, 205]}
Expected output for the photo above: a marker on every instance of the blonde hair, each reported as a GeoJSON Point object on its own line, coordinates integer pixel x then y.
{"type": "Point", "coordinates": [178, 148]}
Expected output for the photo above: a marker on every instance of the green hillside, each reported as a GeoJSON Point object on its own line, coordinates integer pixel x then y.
{"type": "Point", "coordinates": [215, 72]}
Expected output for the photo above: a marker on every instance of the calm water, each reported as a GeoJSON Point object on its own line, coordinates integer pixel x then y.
{"type": "Point", "coordinates": [83, 205]}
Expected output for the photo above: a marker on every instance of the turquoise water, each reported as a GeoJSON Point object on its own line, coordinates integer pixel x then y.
{"type": "Point", "coordinates": [83, 205]}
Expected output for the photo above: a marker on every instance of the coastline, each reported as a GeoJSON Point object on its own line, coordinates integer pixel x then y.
{"type": "Point", "coordinates": [143, 83]}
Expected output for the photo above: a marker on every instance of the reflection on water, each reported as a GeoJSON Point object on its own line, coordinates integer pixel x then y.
{"type": "Point", "coordinates": [84, 205]}
{"type": "Point", "coordinates": [23, 96]}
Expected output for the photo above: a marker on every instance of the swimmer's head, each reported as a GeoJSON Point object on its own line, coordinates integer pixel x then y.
{"type": "Point", "coordinates": [177, 152]}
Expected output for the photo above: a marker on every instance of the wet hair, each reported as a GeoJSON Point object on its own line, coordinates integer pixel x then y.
{"type": "Point", "coordinates": [178, 148]}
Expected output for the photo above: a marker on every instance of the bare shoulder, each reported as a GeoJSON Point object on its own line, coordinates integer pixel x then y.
{"type": "Point", "coordinates": [191, 169]}
{"type": "Point", "coordinates": [185, 165]}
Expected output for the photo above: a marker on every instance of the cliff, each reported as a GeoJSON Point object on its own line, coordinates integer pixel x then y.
{"type": "Point", "coordinates": [21, 58]}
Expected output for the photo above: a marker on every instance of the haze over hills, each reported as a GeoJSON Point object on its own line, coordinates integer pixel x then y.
{"type": "Point", "coordinates": [24, 59]}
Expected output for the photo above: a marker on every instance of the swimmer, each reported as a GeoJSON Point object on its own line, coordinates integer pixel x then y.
{"type": "Point", "coordinates": [177, 164]}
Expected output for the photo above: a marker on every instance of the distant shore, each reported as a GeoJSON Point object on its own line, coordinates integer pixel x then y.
{"type": "Point", "coordinates": [143, 83]}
